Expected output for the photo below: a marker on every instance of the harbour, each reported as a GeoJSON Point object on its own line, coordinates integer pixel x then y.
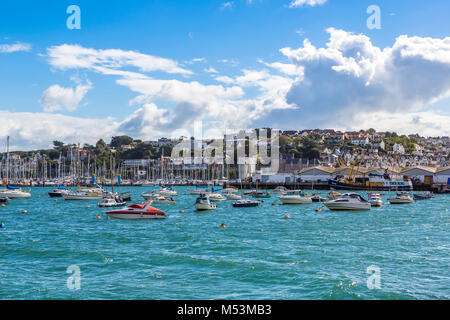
{"type": "Point", "coordinates": [272, 251]}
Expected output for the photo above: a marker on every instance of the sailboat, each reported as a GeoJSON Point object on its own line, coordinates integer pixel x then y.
{"type": "Point", "coordinates": [12, 192]}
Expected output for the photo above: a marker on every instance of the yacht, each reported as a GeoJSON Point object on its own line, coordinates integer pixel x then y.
{"type": "Point", "coordinates": [293, 198]}
{"type": "Point", "coordinates": [216, 197]}
{"type": "Point", "coordinates": [375, 199]}
{"type": "Point", "coordinates": [348, 201]}
{"type": "Point", "coordinates": [163, 200]}
{"type": "Point", "coordinates": [59, 192]}
{"type": "Point", "coordinates": [245, 203]}
{"type": "Point", "coordinates": [4, 200]}
{"type": "Point", "coordinates": [401, 198]}
{"type": "Point", "coordinates": [203, 203]}
{"type": "Point", "coordinates": [150, 195]}
{"type": "Point", "coordinates": [229, 191]}
{"type": "Point", "coordinates": [231, 196]}
{"type": "Point", "coordinates": [14, 193]}
{"type": "Point", "coordinates": [168, 191]}
{"type": "Point", "coordinates": [111, 202]}
{"type": "Point", "coordinates": [280, 189]}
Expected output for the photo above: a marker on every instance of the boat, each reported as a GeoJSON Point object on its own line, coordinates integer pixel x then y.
{"type": "Point", "coordinates": [375, 199]}
{"type": "Point", "coordinates": [150, 195]}
{"type": "Point", "coordinates": [137, 212]}
{"type": "Point", "coordinates": [14, 193]}
{"type": "Point", "coordinates": [426, 196]}
{"type": "Point", "coordinates": [112, 202]}
{"type": "Point", "coordinates": [203, 203]}
{"type": "Point", "coordinates": [4, 200]}
{"type": "Point", "coordinates": [163, 200]}
{"type": "Point", "coordinates": [198, 190]}
{"type": "Point", "coordinates": [229, 191]}
{"type": "Point", "coordinates": [294, 198]}
{"type": "Point", "coordinates": [375, 182]}
{"type": "Point", "coordinates": [245, 203]}
{"type": "Point", "coordinates": [348, 201]}
{"type": "Point", "coordinates": [58, 192]}
{"type": "Point", "coordinates": [168, 191]}
{"type": "Point", "coordinates": [260, 194]}
{"type": "Point", "coordinates": [332, 195]}
{"type": "Point", "coordinates": [216, 197]}
{"type": "Point", "coordinates": [280, 189]}
{"type": "Point", "coordinates": [85, 194]}
{"type": "Point", "coordinates": [401, 198]}
{"type": "Point", "coordinates": [317, 198]}
{"type": "Point", "coordinates": [231, 196]}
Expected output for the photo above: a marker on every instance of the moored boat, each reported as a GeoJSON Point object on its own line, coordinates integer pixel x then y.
{"type": "Point", "coordinates": [401, 198]}
{"type": "Point", "coordinates": [203, 203]}
{"type": "Point", "coordinates": [245, 203]}
{"type": "Point", "coordinates": [348, 202]}
{"type": "Point", "coordinates": [375, 199]}
{"type": "Point", "coordinates": [426, 196]}
{"type": "Point", "coordinates": [216, 197]}
{"type": "Point", "coordinates": [292, 198]}
{"type": "Point", "coordinates": [58, 192]}
{"type": "Point", "coordinates": [14, 193]}
{"type": "Point", "coordinates": [137, 212]}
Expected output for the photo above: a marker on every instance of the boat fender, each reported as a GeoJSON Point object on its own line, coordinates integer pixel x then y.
{"type": "Point", "coordinates": [181, 211]}
{"type": "Point", "coordinates": [2, 226]}
{"type": "Point", "coordinates": [287, 216]}
{"type": "Point", "coordinates": [24, 211]}
{"type": "Point", "coordinates": [223, 225]}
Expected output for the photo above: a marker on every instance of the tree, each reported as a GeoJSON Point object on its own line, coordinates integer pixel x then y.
{"type": "Point", "coordinates": [118, 141]}
{"type": "Point", "coordinates": [58, 145]}
{"type": "Point", "coordinates": [100, 147]}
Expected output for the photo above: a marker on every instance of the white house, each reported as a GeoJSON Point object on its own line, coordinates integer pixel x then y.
{"type": "Point", "coordinates": [398, 148]}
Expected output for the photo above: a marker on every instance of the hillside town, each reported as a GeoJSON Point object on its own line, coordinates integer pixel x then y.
{"type": "Point", "coordinates": [327, 152]}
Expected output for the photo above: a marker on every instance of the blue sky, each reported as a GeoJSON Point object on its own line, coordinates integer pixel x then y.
{"type": "Point", "coordinates": [237, 40]}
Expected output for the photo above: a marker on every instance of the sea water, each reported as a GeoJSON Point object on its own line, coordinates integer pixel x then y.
{"type": "Point", "coordinates": [62, 250]}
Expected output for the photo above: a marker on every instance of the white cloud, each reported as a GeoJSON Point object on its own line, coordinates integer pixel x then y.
{"type": "Point", "coordinates": [56, 97]}
{"type": "Point", "coordinates": [31, 130]}
{"type": "Point", "coordinates": [351, 77]}
{"type": "Point", "coordinates": [300, 3]}
{"type": "Point", "coordinates": [18, 46]}
{"type": "Point", "coordinates": [228, 4]}
{"type": "Point", "coordinates": [66, 57]}
{"type": "Point", "coordinates": [211, 70]}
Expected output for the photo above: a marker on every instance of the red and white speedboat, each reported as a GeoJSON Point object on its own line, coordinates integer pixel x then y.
{"type": "Point", "coordinates": [137, 212]}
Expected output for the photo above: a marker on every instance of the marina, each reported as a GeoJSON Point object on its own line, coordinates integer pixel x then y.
{"type": "Point", "coordinates": [307, 256]}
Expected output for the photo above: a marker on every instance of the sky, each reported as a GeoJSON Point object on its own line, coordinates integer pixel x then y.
{"type": "Point", "coordinates": [157, 68]}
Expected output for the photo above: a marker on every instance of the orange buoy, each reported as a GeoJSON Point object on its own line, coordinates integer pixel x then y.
{"type": "Point", "coordinates": [3, 204]}
{"type": "Point", "coordinates": [274, 204]}
{"type": "Point", "coordinates": [287, 216]}
{"type": "Point", "coordinates": [24, 211]}
{"type": "Point", "coordinates": [223, 225]}
{"type": "Point", "coordinates": [98, 217]}
{"type": "Point", "coordinates": [181, 211]}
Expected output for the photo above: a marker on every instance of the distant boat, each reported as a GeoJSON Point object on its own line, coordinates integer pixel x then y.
{"type": "Point", "coordinates": [245, 203]}
{"type": "Point", "coordinates": [418, 196]}
{"type": "Point", "coordinates": [216, 197]}
{"type": "Point", "coordinates": [294, 198]}
{"type": "Point", "coordinates": [59, 192]}
{"type": "Point", "coordinates": [401, 198]}
{"type": "Point", "coordinates": [111, 202]}
{"type": "Point", "coordinates": [350, 202]}
{"type": "Point", "coordinates": [4, 200]}
{"type": "Point", "coordinates": [375, 199]}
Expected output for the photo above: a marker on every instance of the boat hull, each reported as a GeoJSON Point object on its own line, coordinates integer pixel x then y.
{"type": "Point", "coordinates": [295, 200]}
{"type": "Point", "coordinates": [135, 216]}
{"type": "Point", "coordinates": [347, 207]}
{"type": "Point", "coordinates": [338, 185]}
{"type": "Point", "coordinates": [15, 195]}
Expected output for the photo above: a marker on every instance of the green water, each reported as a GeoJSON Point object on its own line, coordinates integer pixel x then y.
{"type": "Point", "coordinates": [260, 255]}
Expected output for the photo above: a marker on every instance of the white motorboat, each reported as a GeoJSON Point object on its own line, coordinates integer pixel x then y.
{"type": "Point", "coordinates": [375, 199]}
{"type": "Point", "coordinates": [163, 200]}
{"type": "Point", "coordinates": [14, 193]}
{"type": "Point", "coordinates": [168, 191]}
{"type": "Point", "coordinates": [199, 190]}
{"type": "Point", "coordinates": [231, 196]}
{"type": "Point", "coordinates": [216, 197]}
{"type": "Point", "coordinates": [58, 192]}
{"type": "Point", "coordinates": [150, 195]}
{"type": "Point", "coordinates": [348, 201]}
{"type": "Point", "coordinates": [294, 199]}
{"type": "Point", "coordinates": [203, 203]}
{"type": "Point", "coordinates": [137, 212]}
{"type": "Point", "coordinates": [401, 198]}
{"type": "Point", "coordinates": [332, 195]}
{"type": "Point", "coordinates": [95, 195]}
{"type": "Point", "coordinates": [112, 202]}
{"type": "Point", "coordinates": [227, 191]}
{"type": "Point", "coordinates": [280, 189]}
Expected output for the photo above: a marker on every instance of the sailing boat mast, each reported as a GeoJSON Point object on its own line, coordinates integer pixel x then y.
{"type": "Point", "coordinates": [7, 160]}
